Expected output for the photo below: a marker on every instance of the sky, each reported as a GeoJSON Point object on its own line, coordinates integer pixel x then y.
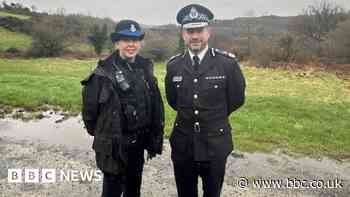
{"type": "Point", "coordinates": [159, 12]}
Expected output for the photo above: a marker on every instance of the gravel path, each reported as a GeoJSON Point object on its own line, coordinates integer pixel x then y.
{"type": "Point", "coordinates": [244, 170]}
{"type": "Point", "coordinates": [158, 176]}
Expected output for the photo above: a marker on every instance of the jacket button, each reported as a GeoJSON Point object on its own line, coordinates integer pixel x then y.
{"type": "Point", "coordinates": [195, 96]}
{"type": "Point", "coordinates": [221, 130]}
{"type": "Point", "coordinates": [195, 80]}
{"type": "Point", "coordinates": [177, 86]}
{"type": "Point", "coordinates": [216, 86]}
{"type": "Point", "coordinates": [196, 112]}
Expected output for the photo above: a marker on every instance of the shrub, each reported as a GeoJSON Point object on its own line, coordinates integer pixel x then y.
{"type": "Point", "coordinates": [15, 24]}
{"type": "Point", "coordinates": [48, 37]}
{"type": "Point", "coordinates": [340, 41]}
{"type": "Point", "coordinates": [98, 38]}
{"type": "Point", "coordinates": [12, 50]}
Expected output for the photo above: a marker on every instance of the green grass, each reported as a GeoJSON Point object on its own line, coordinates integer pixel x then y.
{"type": "Point", "coordinates": [308, 115]}
{"type": "Point", "coordinates": [32, 83]}
{"type": "Point", "coordinates": [81, 47]}
{"type": "Point", "coordinates": [302, 114]}
{"type": "Point", "coordinates": [19, 16]}
{"type": "Point", "coordinates": [14, 39]}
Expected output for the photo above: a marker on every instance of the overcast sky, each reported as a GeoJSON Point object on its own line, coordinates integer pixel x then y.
{"type": "Point", "coordinates": [157, 12]}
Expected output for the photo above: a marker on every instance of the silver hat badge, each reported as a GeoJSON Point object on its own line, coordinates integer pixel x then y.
{"type": "Point", "coordinates": [132, 28]}
{"type": "Point", "coordinates": [193, 13]}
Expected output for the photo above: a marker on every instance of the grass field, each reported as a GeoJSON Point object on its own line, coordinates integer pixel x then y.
{"type": "Point", "coordinates": [283, 110]}
{"type": "Point", "coordinates": [23, 42]}
{"type": "Point", "coordinates": [14, 39]}
{"type": "Point", "coordinates": [81, 47]}
{"type": "Point", "coordinates": [6, 14]}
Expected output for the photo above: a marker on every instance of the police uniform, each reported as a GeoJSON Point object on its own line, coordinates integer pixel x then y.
{"type": "Point", "coordinates": [203, 97]}
{"type": "Point", "coordinates": [123, 110]}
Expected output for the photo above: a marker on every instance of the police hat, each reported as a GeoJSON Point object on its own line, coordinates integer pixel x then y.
{"type": "Point", "coordinates": [127, 29]}
{"type": "Point", "coordinates": [193, 16]}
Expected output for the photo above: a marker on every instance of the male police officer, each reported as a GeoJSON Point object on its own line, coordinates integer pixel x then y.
{"type": "Point", "coordinates": [123, 110]}
{"type": "Point", "coordinates": [204, 85]}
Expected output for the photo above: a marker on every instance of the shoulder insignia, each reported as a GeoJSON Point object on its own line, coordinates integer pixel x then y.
{"type": "Point", "coordinates": [174, 57]}
{"type": "Point", "coordinates": [224, 53]}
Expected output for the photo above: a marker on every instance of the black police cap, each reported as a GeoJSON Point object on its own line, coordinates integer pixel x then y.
{"type": "Point", "coordinates": [127, 29]}
{"type": "Point", "coordinates": [193, 16]}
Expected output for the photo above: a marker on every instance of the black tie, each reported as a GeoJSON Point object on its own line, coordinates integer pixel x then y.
{"type": "Point", "coordinates": [195, 62]}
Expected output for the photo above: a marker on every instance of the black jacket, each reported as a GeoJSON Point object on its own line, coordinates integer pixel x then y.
{"type": "Point", "coordinates": [101, 112]}
{"type": "Point", "coordinates": [203, 99]}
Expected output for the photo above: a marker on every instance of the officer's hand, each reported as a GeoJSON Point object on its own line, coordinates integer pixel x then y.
{"type": "Point", "coordinates": [150, 155]}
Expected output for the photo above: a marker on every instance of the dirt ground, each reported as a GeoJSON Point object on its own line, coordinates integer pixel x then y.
{"type": "Point", "coordinates": [65, 146]}
{"type": "Point", "coordinates": [342, 71]}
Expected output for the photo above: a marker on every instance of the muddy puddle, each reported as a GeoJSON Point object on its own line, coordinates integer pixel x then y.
{"type": "Point", "coordinates": [54, 129]}
{"type": "Point", "coordinates": [62, 143]}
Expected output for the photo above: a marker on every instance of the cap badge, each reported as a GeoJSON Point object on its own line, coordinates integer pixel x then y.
{"type": "Point", "coordinates": [193, 13]}
{"type": "Point", "coordinates": [132, 28]}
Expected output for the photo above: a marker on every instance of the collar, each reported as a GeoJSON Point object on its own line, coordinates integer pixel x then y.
{"type": "Point", "coordinates": [200, 54]}
{"type": "Point", "coordinates": [124, 60]}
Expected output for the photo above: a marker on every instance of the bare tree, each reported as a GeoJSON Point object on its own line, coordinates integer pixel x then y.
{"type": "Point", "coordinates": [287, 47]}
{"type": "Point", "coordinates": [49, 37]}
{"type": "Point", "coordinates": [98, 38]}
{"type": "Point", "coordinates": [249, 23]}
{"type": "Point", "coordinates": [340, 40]}
{"type": "Point", "coordinates": [318, 20]}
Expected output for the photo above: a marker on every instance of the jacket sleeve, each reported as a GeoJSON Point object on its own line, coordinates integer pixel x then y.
{"type": "Point", "coordinates": [170, 89]}
{"type": "Point", "coordinates": [90, 95]}
{"type": "Point", "coordinates": [157, 126]}
{"type": "Point", "coordinates": [235, 87]}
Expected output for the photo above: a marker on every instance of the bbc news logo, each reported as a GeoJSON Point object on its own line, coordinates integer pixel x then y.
{"type": "Point", "coordinates": [52, 175]}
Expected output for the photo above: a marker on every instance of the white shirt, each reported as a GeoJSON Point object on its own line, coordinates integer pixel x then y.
{"type": "Point", "coordinates": [200, 54]}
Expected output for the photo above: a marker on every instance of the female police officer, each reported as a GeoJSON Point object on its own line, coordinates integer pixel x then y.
{"type": "Point", "coordinates": [123, 110]}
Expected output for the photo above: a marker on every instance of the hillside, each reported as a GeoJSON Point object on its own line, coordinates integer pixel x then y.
{"type": "Point", "coordinates": [19, 16]}
{"type": "Point", "coordinates": [162, 41]}
{"type": "Point", "coordinates": [17, 29]}
{"type": "Point", "coordinates": [17, 40]}
{"type": "Point", "coordinates": [260, 26]}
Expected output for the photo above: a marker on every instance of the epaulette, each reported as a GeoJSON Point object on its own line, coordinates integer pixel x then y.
{"type": "Point", "coordinates": [224, 53]}
{"type": "Point", "coordinates": [174, 57]}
